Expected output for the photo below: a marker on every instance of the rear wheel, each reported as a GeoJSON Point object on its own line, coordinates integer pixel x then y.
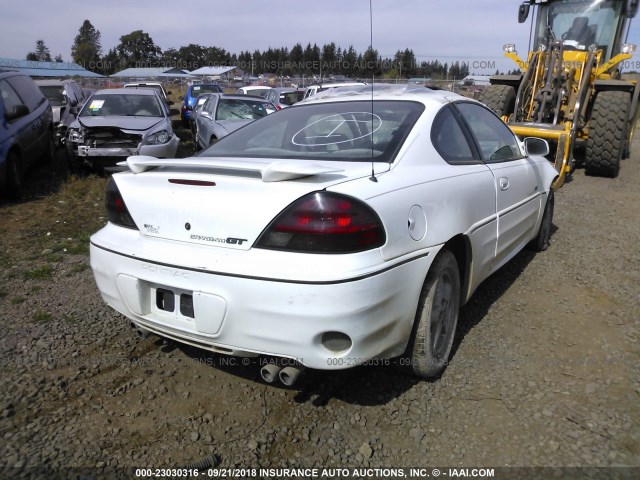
{"type": "Point", "coordinates": [543, 239]}
{"type": "Point", "coordinates": [13, 179]}
{"type": "Point", "coordinates": [607, 134]}
{"type": "Point", "coordinates": [436, 317]}
{"type": "Point", "coordinates": [499, 98]}
{"type": "Point", "coordinates": [49, 156]}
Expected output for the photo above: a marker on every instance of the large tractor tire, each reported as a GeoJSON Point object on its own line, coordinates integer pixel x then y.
{"type": "Point", "coordinates": [499, 98]}
{"type": "Point", "coordinates": [607, 134]}
{"type": "Point", "coordinates": [630, 134]}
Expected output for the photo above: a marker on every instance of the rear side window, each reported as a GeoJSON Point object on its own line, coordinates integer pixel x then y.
{"type": "Point", "coordinates": [28, 91]}
{"type": "Point", "coordinates": [9, 96]}
{"type": "Point", "coordinates": [30, 94]}
{"type": "Point", "coordinates": [449, 139]}
{"type": "Point", "coordinates": [494, 139]}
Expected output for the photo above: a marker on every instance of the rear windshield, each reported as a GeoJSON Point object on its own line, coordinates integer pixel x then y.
{"type": "Point", "coordinates": [260, 92]}
{"type": "Point", "coordinates": [198, 89]}
{"type": "Point", "coordinates": [55, 94]}
{"type": "Point", "coordinates": [289, 98]}
{"type": "Point", "coordinates": [340, 131]}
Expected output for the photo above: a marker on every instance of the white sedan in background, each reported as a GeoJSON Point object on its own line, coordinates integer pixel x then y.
{"type": "Point", "coordinates": [347, 228]}
{"type": "Point", "coordinates": [222, 114]}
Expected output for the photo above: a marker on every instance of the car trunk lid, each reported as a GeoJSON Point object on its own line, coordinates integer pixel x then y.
{"type": "Point", "coordinates": [223, 203]}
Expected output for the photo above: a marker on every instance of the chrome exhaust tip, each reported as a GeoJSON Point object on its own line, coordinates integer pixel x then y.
{"type": "Point", "coordinates": [269, 373]}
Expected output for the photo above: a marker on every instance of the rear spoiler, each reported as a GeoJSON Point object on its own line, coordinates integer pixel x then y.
{"type": "Point", "coordinates": [277, 171]}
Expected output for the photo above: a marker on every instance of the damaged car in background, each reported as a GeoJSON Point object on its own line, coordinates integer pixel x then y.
{"type": "Point", "coordinates": [66, 98]}
{"type": "Point", "coordinates": [116, 123]}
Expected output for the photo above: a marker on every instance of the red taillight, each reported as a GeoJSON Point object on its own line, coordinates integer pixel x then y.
{"type": "Point", "coordinates": [117, 210]}
{"type": "Point", "coordinates": [324, 222]}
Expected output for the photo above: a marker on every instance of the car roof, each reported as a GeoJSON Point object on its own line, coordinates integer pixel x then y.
{"type": "Point", "coordinates": [127, 91]}
{"type": "Point", "coordinates": [53, 83]}
{"type": "Point", "coordinates": [336, 84]}
{"type": "Point", "coordinates": [385, 92]}
{"type": "Point", "coordinates": [240, 96]}
{"type": "Point", "coordinates": [11, 73]}
{"type": "Point", "coordinates": [142, 84]}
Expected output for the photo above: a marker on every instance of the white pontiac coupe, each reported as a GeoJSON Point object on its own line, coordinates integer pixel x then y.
{"type": "Point", "coordinates": [348, 228]}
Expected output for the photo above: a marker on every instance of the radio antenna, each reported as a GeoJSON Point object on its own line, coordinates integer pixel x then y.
{"type": "Point", "coordinates": [373, 76]}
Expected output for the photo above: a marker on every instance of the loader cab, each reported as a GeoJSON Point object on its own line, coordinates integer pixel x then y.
{"type": "Point", "coordinates": [582, 23]}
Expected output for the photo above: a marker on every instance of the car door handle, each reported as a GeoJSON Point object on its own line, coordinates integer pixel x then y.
{"type": "Point", "coordinates": [504, 183]}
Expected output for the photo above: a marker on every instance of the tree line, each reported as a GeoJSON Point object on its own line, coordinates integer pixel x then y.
{"type": "Point", "coordinates": [137, 49]}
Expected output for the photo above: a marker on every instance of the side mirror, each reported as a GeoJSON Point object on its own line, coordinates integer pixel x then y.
{"type": "Point", "coordinates": [173, 112]}
{"type": "Point", "coordinates": [536, 146]}
{"type": "Point", "coordinates": [205, 114]}
{"type": "Point", "coordinates": [523, 12]}
{"type": "Point", "coordinates": [17, 112]}
{"type": "Point", "coordinates": [73, 110]}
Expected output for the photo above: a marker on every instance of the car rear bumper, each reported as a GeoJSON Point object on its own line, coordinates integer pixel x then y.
{"type": "Point", "coordinates": [245, 316]}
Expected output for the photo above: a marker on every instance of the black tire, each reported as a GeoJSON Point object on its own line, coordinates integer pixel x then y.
{"type": "Point", "coordinates": [499, 98]}
{"type": "Point", "coordinates": [607, 134]}
{"type": "Point", "coordinates": [630, 134]}
{"type": "Point", "coordinates": [49, 155]}
{"type": "Point", "coordinates": [436, 317]}
{"type": "Point", "coordinates": [13, 179]}
{"type": "Point", "coordinates": [74, 164]}
{"type": "Point", "coordinates": [543, 239]}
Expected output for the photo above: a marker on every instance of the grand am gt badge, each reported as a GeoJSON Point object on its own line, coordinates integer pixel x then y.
{"type": "Point", "coordinates": [228, 240]}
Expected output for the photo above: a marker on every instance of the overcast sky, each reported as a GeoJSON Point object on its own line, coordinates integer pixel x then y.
{"type": "Point", "coordinates": [464, 30]}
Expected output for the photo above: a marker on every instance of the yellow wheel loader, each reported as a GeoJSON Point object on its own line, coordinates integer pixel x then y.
{"type": "Point", "coordinates": [571, 91]}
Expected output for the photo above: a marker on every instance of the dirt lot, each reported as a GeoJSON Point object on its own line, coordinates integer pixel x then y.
{"type": "Point", "coordinates": [544, 370]}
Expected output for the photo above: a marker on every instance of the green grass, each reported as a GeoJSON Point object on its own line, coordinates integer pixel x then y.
{"type": "Point", "coordinates": [80, 245]}
{"type": "Point", "coordinates": [42, 316]}
{"type": "Point", "coordinates": [40, 273]}
{"type": "Point", "coordinates": [79, 268]}
{"type": "Point", "coordinates": [17, 300]}
{"type": "Point", "coordinates": [11, 275]}
{"type": "Point", "coordinates": [69, 319]}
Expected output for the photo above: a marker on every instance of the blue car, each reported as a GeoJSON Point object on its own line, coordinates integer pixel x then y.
{"type": "Point", "coordinates": [190, 98]}
{"type": "Point", "coordinates": [26, 130]}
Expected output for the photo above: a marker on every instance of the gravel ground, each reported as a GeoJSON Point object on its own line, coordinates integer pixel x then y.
{"type": "Point", "coordinates": [544, 370]}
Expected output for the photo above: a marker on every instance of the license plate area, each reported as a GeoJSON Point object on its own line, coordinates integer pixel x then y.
{"type": "Point", "coordinates": [176, 302]}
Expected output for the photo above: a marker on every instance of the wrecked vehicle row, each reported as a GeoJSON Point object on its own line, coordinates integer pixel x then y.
{"type": "Point", "coordinates": [116, 123]}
